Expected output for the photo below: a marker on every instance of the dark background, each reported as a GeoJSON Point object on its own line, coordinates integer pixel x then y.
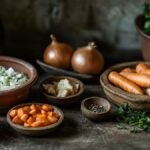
{"type": "Point", "coordinates": [25, 26]}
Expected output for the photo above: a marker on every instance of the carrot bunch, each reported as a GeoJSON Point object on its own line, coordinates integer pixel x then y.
{"type": "Point", "coordinates": [34, 115]}
{"type": "Point", "coordinates": [134, 81]}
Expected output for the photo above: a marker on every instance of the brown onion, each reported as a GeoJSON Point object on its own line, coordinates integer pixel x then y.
{"type": "Point", "coordinates": [58, 54]}
{"type": "Point", "coordinates": [87, 60]}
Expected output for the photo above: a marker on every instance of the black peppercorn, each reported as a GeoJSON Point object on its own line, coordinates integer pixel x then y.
{"type": "Point", "coordinates": [97, 108]}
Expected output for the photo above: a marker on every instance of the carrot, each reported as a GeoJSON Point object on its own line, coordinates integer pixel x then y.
{"type": "Point", "coordinates": [52, 119]}
{"type": "Point", "coordinates": [26, 109]}
{"type": "Point", "coordinates": [17, 120]}
{"type": "Point", "coordinates": [26, 124]}
{"type": "Point", "coordinates": [37, 124]}
{"type": "Point", "coordinates": [40, 117]}
{"type": "Point", "coordinates": [13, 113]}
{"type": "Point", "coordinates": [124, 83]}
{"type": "Point", "coordinates": [20, 112]}
{"type": "Point", "coordinates": [24, 117]}
{"type": "Point", "coordinates": [30, 120]}
{"type": "Point", "coordinates": [34, 115]}
{"type": "Point", "coordinates": [43, 111]}
{"type": "Point", "coordinates": [142, 80]}
{"type": "Point", "coordinates": [140, 67]}
{"type": "Point", "coordinates": [47, 107]}
{"type": "Point", "coordinates": [143, 68]}
{"type": "Point", "coordinates": [33, 112]}
{"type": "Point", "coordinates": [128, 69]}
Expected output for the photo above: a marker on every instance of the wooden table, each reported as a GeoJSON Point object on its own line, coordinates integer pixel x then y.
{"type": "Point", "coordinates": [76, 132]}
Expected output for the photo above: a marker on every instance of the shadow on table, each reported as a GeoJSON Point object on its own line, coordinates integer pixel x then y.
{"type": "Point", "coordinates": [67, 129]}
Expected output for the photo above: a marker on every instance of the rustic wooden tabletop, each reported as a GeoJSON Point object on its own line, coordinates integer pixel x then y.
{"type": "Point", "coordinates": [76, 132]}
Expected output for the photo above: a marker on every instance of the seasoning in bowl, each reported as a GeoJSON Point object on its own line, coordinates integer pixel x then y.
{"type": "Point", "coordinates": [9, 78]}
{"type": "Point", "coordinates": [62, 88]}
{"type": "Point", "coordinates": [34, 115]}
{"type": "Point", "coordinates": [97, 108]}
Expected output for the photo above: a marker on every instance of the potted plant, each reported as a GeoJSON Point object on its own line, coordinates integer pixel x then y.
{"type": "Point", "coordinates": [143, 27]}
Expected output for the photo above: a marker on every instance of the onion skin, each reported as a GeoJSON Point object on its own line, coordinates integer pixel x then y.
{"type": "Point", "coordinates": [58, 54]}
{"type": "Point", "coordinates": [87, 60]}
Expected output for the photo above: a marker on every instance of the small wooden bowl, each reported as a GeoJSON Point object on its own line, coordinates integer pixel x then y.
{"type": "Point", "coordinates": [95, 116]}
{"type": "Point", "coordinates": [38, 131]}
{"type": "Point", "coordinates": [62, 101]}
{"type": "Point", "coordinates": [119, 96]}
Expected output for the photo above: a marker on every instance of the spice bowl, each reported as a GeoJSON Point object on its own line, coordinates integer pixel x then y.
{"type": "Point", "coordinates": [62, 101]}
{"type": "Point", "coordinates": [35, 131]}
{"type": "Point", "coordinates": [95, 108]}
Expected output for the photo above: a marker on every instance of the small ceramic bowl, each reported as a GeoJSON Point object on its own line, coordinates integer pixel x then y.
{"type": "Point", "coordinates": [62, 101]}
{"type": "Point", "coordinates": [99, 101]}
{"type": "Point", "coordinates": [11, 97]}
{"type": "Point", "coordinates": [118, 96]}
{"type": "Point", "coordinates": [38, 131]}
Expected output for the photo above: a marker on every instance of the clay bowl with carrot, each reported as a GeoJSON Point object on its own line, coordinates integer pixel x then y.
{"type": "Point", "coordinates": [34, 119]}
{"type": "Point", "coordinates": [128, 83]}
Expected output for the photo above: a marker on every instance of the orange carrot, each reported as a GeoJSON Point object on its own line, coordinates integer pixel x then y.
{"type": "Point", "coordinates": [128, 69]}
{"type": "Point", "coordinates": [143, 68]}
{"type": "Point", "coordinates": [124, 83]}
{"type": "Point", "coordinates": [142, 80]}
{"type": "Point", "coordinates": [34, 115]}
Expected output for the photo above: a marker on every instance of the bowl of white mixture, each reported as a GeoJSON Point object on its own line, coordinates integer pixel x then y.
{"type": "Point", "coordinates": [16, 80]}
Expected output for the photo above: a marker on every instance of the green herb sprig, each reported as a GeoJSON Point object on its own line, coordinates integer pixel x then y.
{"type": "Point", "coordinates": [136, 121]}
{"type": "Point", "coordinates": [146, 26]}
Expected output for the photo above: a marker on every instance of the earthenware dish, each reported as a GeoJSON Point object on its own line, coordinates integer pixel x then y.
{"type": "Point", "coordinates": [38, 131]}
{"type": "Point", "coordinates": [62, 101]}
{"type": "Point", "coordinates": [145, 39]}
{"type": "Point", "coordinates": [119, 96]}
{"type": "Point", "coordinates": [95, 116]}
{"type": "Point", "coordinates": [54, 70]}
{"type": "Point", "coordinates": [11, 97]}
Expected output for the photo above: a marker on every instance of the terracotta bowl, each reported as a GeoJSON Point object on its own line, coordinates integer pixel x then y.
{"type": "Point", "coordinates": [119, 96]}
{"type": "Point", "coordinates": [95, 116]}
{"type": "Point", "coordinates": [11, 97]}
{"type": "Point", "coordinates": [62, 101]}
{"type": "Point", "coordinates": [38, 131]}
{"type": "Point", "coordinates": [145, 39]}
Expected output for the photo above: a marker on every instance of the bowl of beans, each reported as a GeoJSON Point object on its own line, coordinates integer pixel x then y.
{"type": "Point", "coordinates": [34, 119]}
{"type": "Point", "coordinates": [95, 108]}
{"type": "Point", "coordinates": [16, 80]}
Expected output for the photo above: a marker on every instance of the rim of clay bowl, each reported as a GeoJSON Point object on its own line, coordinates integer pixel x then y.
{"type": "Point", "coordinates": [31, 80]}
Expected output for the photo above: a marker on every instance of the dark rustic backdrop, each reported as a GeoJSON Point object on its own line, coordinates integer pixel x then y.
{"type": "Point", "coordinates": [25, 25]}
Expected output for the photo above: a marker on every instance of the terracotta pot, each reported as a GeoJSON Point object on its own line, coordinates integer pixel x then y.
{"type": "Point", "coordinates": [145, 39]}
{"type": "Point", "coordinates": [11, 97]}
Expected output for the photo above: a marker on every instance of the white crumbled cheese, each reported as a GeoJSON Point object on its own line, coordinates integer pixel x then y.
{"type": "Point", "coordinates": [9, 78]}
{"type": "Point", "coordinates": [10, 71]}
{"type": "Point", "coordinates": [148, 91]}
{"type": "Point", "coordinates": [63, 93]}
{"type": "Point", "coordinates": [64, 88]}
{"type": "Point", "coordinates": [64, 84]}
